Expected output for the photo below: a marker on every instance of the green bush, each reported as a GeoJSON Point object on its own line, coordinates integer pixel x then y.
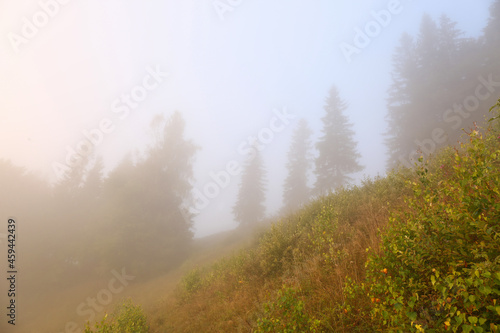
{"type": "Point", "coordinates": [192, 281]}
{"type": "Point", "coordinates": [286, 314]}
{"type": "Point", "coordinates": [440, 263]}
{"type": "Point", "coordinates": [276, 247]}
{"type": "Point", "coordinates": [496, 109]}
{"type": "Point", "coordinates": [127, 318]}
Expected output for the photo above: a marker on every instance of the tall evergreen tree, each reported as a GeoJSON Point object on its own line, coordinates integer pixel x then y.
{"type": "Point", "coordinates": [492, 41]}
{"type": "Point", "coordinates": [458, 67]}
{"type": "Point", "coordinates": [424, 93]}
{"type": "Point", "coordinates": [431, 76]}
{"type": "Point", "coordinates": [296, 191]}
{"type": "Point", "coordinates": [338, 156]}
{"type": "Point", "coordinates": [249, 208]}
{"type": "Point", "coordinates": [147, 197]}
{"type": "Point", "coordinates": [449, 71]}
{"type": "Point", "coordinates": [400, 102]}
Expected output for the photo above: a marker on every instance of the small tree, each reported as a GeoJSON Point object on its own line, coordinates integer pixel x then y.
{"type": "Point", "coordinates": [249, 208]}
{"type": "Point", "coordinates": [337, 149]}
{"type": "Point", "coordinates": [296, 192]}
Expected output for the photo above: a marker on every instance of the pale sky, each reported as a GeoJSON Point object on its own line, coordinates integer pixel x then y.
{"type": "Point", "coordinates": [225, 76]}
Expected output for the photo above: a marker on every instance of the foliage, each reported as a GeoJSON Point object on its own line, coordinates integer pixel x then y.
{"type": "Point", "coordinates": [286, 313]}
{"type": "Point", "coordinates": [192, 281]}
{"type": "Point", "coordinates": [127, 318]}
{"type": "Point", "coordinates": [495, 109]}
{"type": "Point", "coordinates": [311, 252]}
{"type": "Point", "coordinates": [440, 262]}
{"type": "Point", "coordinates": [416, 251]}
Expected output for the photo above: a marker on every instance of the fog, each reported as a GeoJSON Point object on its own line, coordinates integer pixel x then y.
{"type": "Point", "coordinates": [80, 74]}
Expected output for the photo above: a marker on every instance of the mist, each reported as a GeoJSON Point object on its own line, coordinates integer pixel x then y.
{"type": "Point", "coordinates": [131, 130]}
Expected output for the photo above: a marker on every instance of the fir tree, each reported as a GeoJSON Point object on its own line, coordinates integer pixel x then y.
{"type": "Point", "coordinates": [431, 77]}
{"type": "Point", "coordinates": [400, 102]}
{"type": "Point", "coordinates": [249, 208]}
{"type": "Point", "coordinates": [296, 191]}
{"type": "Point", "coordinates": [338, 156]}
{"type": "Point", "coordinates": [492, 41]}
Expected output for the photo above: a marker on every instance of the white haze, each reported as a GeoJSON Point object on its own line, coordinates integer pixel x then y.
{"type": "Point", "coordinates": [225, 76]}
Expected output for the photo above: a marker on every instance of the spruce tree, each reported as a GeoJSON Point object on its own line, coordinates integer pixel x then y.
{"type": "Point", "coordinates": [432, 75]}
{"type": "Point", "coordinates": [296, 191]}
{"type": "Point", "coordinates": [249, 208]}
{"type": "Point", "coordinates": [400, 103]}
{"type": "Point", "coordinates": [338, 156]}
{"type": "Point", "coordinates": [492, 42]}
{"type": "Point", "coordinates": [427, 86]}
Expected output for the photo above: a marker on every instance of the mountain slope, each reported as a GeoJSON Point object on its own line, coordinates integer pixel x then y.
{"type": "Point", "coordinates": [415, 251]}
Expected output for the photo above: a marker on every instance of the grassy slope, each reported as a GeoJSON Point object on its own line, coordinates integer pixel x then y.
{"type": "Point", "coordinates": [416, 251]}
{"type": "Point", "coordinates": [312, 251]}
{"type": "Point", "coordinates": [335, 266]}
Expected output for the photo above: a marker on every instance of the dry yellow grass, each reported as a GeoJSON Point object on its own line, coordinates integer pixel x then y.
{"type": "Point", "coordinates": [234, 300]}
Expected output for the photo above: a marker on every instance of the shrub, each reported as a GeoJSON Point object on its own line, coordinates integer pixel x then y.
{"type": "Point", "coordinates": [496, 109]}
{"type": "Point", "coordinates": [440, 265]}
{"type": "Point", "coordinates": [127, 318]}
{"type": "Point", "coordinates": [192, 281]}
{"type": "Point", "coordinates": [286, 313]}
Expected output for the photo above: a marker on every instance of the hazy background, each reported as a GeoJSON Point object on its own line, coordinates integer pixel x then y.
{"type": "Point", "coordinates": [226, 77]}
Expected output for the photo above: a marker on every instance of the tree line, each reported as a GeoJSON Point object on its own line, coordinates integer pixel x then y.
{"type": "Point", "coordinates": [337, 158]}
{"type": "Point", "coordinates": [441, 82]}
{"type": "Point", "coordinates": [89, 223]}
{"type": "Point", "coordinates": [136, 215]}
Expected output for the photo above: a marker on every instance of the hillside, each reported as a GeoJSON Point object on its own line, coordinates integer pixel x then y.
{"type": "Point", "coordinates": [415, 251]}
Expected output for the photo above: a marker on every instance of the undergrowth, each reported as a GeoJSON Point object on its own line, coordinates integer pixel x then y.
{"type": "Point", "coordinates": [127, 318]}
{"type": "Point", "coordinates": [415, 251]}
{"type": "Point", "coordinates": [292, 279]}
